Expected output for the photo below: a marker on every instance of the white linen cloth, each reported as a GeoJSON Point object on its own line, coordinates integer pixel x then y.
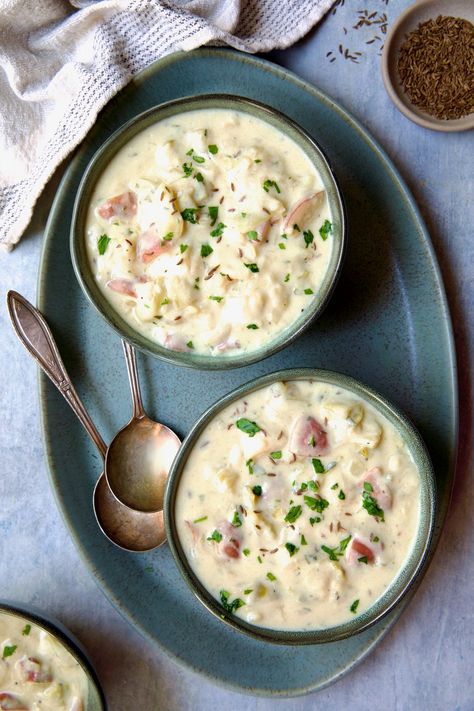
{"type": "Point", "coordinates": [61, 62]}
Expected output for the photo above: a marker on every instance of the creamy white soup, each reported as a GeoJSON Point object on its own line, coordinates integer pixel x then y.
{"type": "Point", "coordinates": [37, 673]}
{"type": "Point", "coordinates": [210, 232]}
{"type": "Point", "coordinates": [298, 506]}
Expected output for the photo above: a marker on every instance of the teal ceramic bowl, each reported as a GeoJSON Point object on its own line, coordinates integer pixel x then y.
{"type": "Point", "coordinates": [407, 574]}
{"type": "Point", "coordinates": [95, 700]}
{"type": "Point", "coordinates": [124, 134]}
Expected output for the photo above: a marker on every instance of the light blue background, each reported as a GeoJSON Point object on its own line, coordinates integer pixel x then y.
{"type": "Point", "coordinates": [426, 660]}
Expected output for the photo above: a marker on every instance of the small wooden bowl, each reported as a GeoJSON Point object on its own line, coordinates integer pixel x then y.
{"type": "Point", "coordinates": [409, 20]}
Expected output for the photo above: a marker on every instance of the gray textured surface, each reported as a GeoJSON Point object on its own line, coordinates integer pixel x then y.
{"type": "Point", "coordinates": [426, 660]}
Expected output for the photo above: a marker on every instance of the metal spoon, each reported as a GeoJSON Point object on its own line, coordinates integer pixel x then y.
{"type": "Point", "coordinates": [127, 529]}
{"type": "Point", "coordinates": [141, 454]}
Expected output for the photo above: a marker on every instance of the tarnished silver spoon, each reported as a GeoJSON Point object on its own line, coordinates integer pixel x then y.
{"type": "Point", "coordinates": [126, 528]}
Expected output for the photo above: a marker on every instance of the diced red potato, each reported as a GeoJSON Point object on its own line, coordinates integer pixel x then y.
{"type": "Point", "coordinates": [381, 492]}
{"type": "Point", "coordinates": [230, 544]}
{"type": "Point", "coordinates": [175, 342]}
{"type": "Point", "coordinates": [358, 549]}
{"type": "Point", "coordinates": [150, 245]}
{"type": "Point", "coordinates": [307, 437]}
{"type": "Point", "coordinates": [31, 670]}
{"type": "Point", "coordinates": [302, 209]}
{"type": "Point", "coordinates": [8, 702]}
{"type": "Point", "coordinates": [123, 286]}
{"type": "Point", "coordinates": [227, 345]}
{"type": "Point", "coordinates": [124, 206]}
{"type": "Point", "coordinates": [194, 531]}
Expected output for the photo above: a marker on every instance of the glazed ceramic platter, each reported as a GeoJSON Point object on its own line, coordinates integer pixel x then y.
{"type": "Point", "coordinates": [387, 324]}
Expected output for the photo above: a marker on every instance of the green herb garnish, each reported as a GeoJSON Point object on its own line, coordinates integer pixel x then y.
{"type": "Point", "coordinates": [198, 520]}
{"type": "Point", "coordinates": [252, 326]}
{"type": "Point", "coordinates": [198, 159]}
{"type": "Point", "coordinates": [252, 235]}
{"type": "Point", "coordinates": [287, 278]}
{"type": "Point", "coordinates": [199, 177]}
{"type": "Point", "coordinates": [276, 455]}
{"type": "Point", "coordinates": [217, 232]}
{"type": "Point", "coordinates": [336, 553]}
{"type": "Point", "coordinates": [341, 495]}
{"type": "Point", "coordinates": [216, 298]}
{"type": "Point", "coordinates": [270, 184]}
{"type": "Point", "coordinates": [213, 149]}
{"type": "Point", "coordinates": [253, 267]}
{"type": "Point", "coordinates": [318, 504]}
{"type": "Point", "coordinates": [246, 552]}
{"type": "Point", "coordinates": [187, 169]}
{"type": "Point", "coordinates": [165, 301]}
{"type": "Point", "coordinates": [318, 466]}
{"type": "Point", "coordinates": [26, 630]}
{"type": "Point", "coordinates": [370, 504]}
{"type": "Point", "coordinates": [291, 548]}
{"type": "Point", "coordinates": [215, 536]}
{"type": "Point", "coordinates": [236, 520]}
{"type": "Point", "coordinates": [304, 542]}
{"type": "Point", "coordinates": [325, 230]}
{"type": "Point", "coordinates": [213, 212]}
{"type": "Point", "coordinates": [249, 465]}
{"type": "Point", "coordinates": [103, 243]}
{"type": "Point", "coordinates": [8, 650]}
{"type": "Point", "coordinates": [293, 514]}
{"type": "Point", "coordinates": [308, 237]}
{"type": "Point", "coordinates": [168, 237]}
{"type": "Point", "coordinates": [190, 344]}
{"type": "Point", "coordinates": [230, 606]}
{"type": "Point", "coordinates": [189, 214]}
{"type": "Point", "coordinates": [308, 291]}
{"type": "Point", "coordinates": [314, 519]}
{"type": "Point", "coordinates": [247, 591]}
{"type": "Point", "coordinates": [282, 245]}
{"type": "Point", "coordinates": [363, 559]}
{"type": "Point", "coordinates": [183, 248]}
{"type": "Point", "coordinates": [257, 490]}
{"type": "Point", "coordinates": [271, 577]}
{"type": "Point", "coordinates": [206, 250]}
{"type": "Point", "coordinates": [354, 606]}
{"type": "Point", "coordinates": [248, 426]}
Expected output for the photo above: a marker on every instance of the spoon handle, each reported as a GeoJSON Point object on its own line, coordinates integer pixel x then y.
{"type": "Point", "coordinates": [33, 331]}
{"type": "Point", "coordinates": [131, 361]}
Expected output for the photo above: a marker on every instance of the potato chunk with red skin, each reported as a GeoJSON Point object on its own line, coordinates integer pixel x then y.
{"type": "Point", "coordinates": [8, 702]}
{"type": "Point", "coordinates": [308, 438]}
{"type": "Point", "coordinates": [122, 286]}
{"type": "Point", "coordinates": [150, 245]}
{"type": "Point", "coordinates": [229, 546]}
{"type": "Point", "coordinates": [358, 549]}
{"type": "Point", "coordinates": [380, 490]}
{"type": "Point", "coordinates": [32, 670]}
{"type": "Point", "coordinates": [123, 206]}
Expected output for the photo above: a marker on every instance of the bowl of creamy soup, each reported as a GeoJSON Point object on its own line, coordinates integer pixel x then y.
{"type": "Point", "coordinates": [300, 507]}
{"type": "Point", "coordinates": [42, 666]}
{"type": "Point", "coordinates": [209, 231]}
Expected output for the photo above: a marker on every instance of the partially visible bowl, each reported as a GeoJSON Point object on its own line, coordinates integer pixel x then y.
{"type": "Point", "coordinates": [421, 11]}
{"type": "Point", "coordinates": [95, 700]}
{"type": "Point", "coordinates": [407, 575]}
{"type": "Point", "coordinates": [101, 159]}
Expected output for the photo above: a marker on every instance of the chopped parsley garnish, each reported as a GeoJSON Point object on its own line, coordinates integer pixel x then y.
{"type": "Point", "coordinates": [189, 214]}
{"type": "Point", "coordinates": [259, 559]}
{"type": "Point", "coordinates": [252, 235]}
{"type": "Point", "coordinates": [183, 248]}
{"type": "Point", "coordinates": [313, 485]}
{"type": "Point", "coordinates": [368, 487]}
{"type": "Point", "coordinates": [284, 236]}
{"type": "Point", "coordinates": [293, 514]}
{"type": "Point", "coordinates": [282, 245]}
{"type": "Point", "coordinates": [253, 267]}
{"type": "Point", "coordinates": [213, 149]}
{"type": "Point", "coordinates": [252, 326]}
{"type": "Point", "coordinates": [308, 237]}
{"type": "Point", "coordinates": [26, 630]}
{"type": "Point", "coordinates": [304, 542]}
{"type": "Point", "coordinates": [325, 230]}
{"type": "Point", "coordinates": [215, 536]}
{"type": "Point", "coordinates": [363, 559]}
{"type": "Point", "coordinates": [318, 504]}
{"type": "Point", "coordinates": [216, 298]}
{"type": "Point", "coordinates": [315, 519]}
{"type": "Point", "coordinates": [354, 606]}
{"type": "Point", "coordinates": [236, 521]}
{"type": "Point", "coordinates": [257, 160]}
{"type": "Point", "coordinates": [168, 237]}
{"type": "Point", "coordinates": [291, 548]}
{"type": "Point", "coordinates": [318, 466]}
{"type": "Point", "coordinates": [341, 495]}
{"type": "Point", "coordinates": [276, 455]}
{"type": "Point", "coordinates": [287, 278]}
{"type": "Point", "coordinates": [271, 577]}
{"type": "Point", "coordinates": [270, 184]}
{"type": "Point", "coordinates": [249, 465]}
{"type": "Point", "coordinates": [190, 344]}
{"type": "Point", "coordinates": [308, 291]}
{"type": "Point", "coordinates": [230, 606]}
{"type": "Point", "coordinates": [246, 552]}
{"type": "Point", "coordinates": [213, 212]}
{"type": "Point", "coordinates": [376, 539]}
{"type": "Point", "coordinates": [312, 441]}
{"type": "Point", "coordinates": [334, 486]}
{"type": "Point", "coordinates": [370, 504]}
{"type": "Point", "coordinates": [103, 243]}
{"type": "Point", "coordinates": [217, 232]}
{"type": "Point", "coordinates": [248, 426]}
{"type": "Point", "coordinates": [8, 650]}
{"type": "Point", "coordinates": [257, 490]}
{"type": "Point", "coordinates": [198, 159]}
{"type": "Point", "coordinates": [165, 301]}
{"type": "Point", "coordinates": [336, 553]}
{"type": "Point", "coordinates": [247, 591]}
{"type": "Point", "coordinates": [187, 169]}
{"type": "Point", "coordinates": [206, 250]}
{"type": "Point", "coordinates": [296, 227]}
{"type": "Point", "coordinates": [199, 177]}
{"type": "Point", "coordinates": [198, 520]}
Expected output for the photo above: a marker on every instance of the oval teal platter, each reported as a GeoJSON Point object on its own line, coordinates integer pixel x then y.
{"type": "Point", "coordinates": [387, 325]}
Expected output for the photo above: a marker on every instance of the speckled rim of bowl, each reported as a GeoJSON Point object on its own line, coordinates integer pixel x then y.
{"type": "Point", "coordinates": [130, 129]}
{"type": "Point", "coordinates": [406, 577]}
{"type": "Point", "coordinates": [96, 701]}
{"type": "Point", "coordinates": [420, 11]}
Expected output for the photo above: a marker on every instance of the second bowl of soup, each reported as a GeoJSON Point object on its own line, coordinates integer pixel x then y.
{"type": "Point", "coordinates": [300, 507]}
{"type": "Point", "coordinates": [209, 231]}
